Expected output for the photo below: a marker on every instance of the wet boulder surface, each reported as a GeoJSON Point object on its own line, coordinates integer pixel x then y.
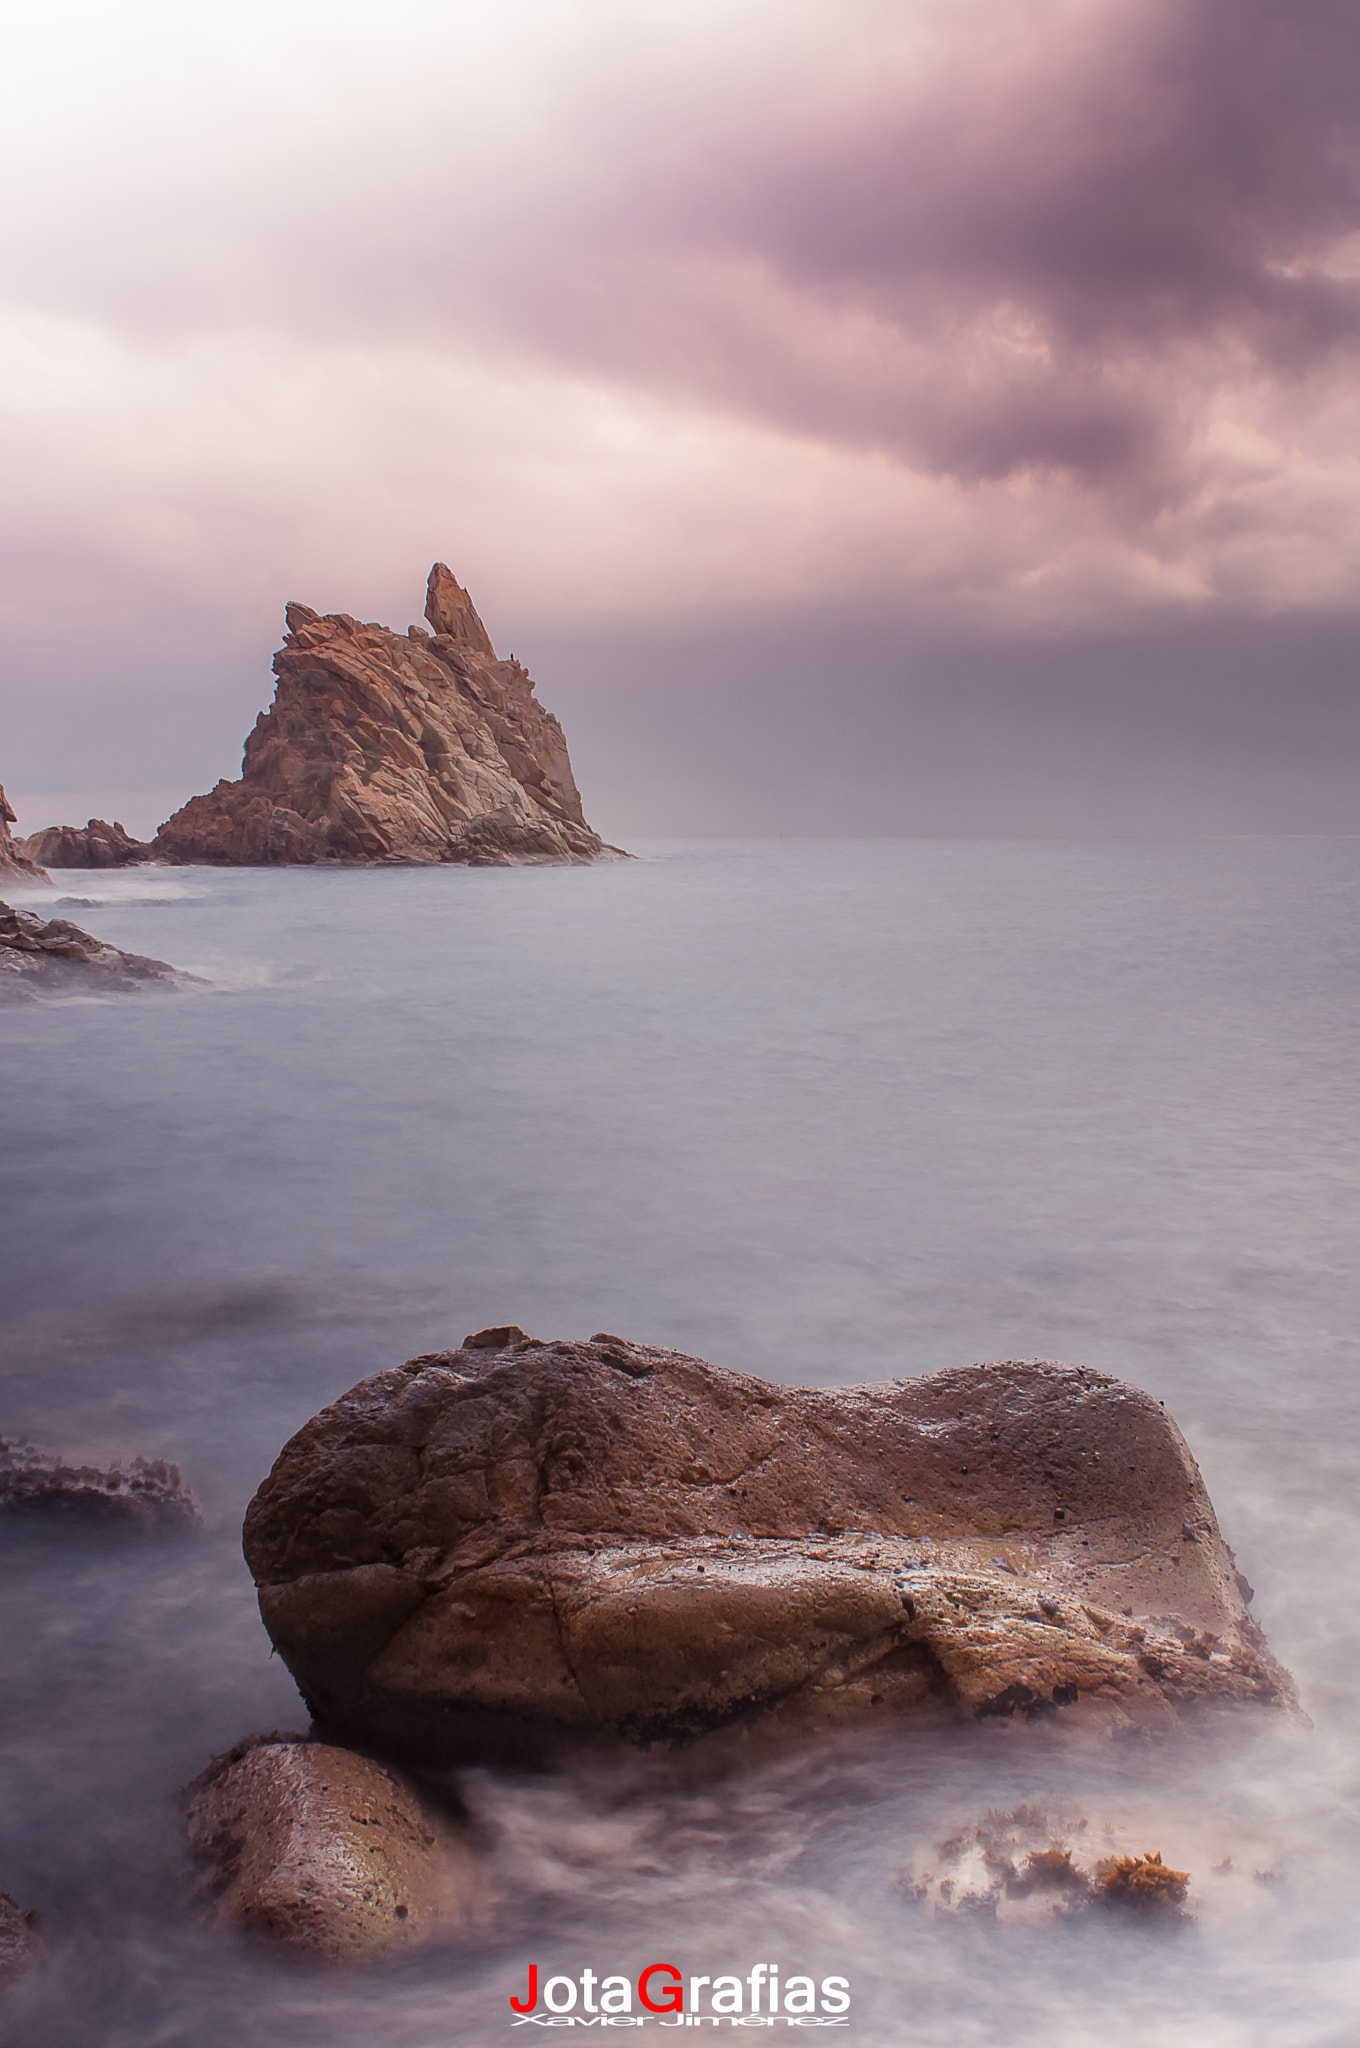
{"type": "Point", "coordinates": [326, 1853]}
{"type": "Point", "coordinates": [519, 1545]}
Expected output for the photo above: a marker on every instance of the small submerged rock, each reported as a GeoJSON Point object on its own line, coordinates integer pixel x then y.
{"type": "Point", "coordinates": [146, 1495]}
{"type": "Point", "coordinates": [520, 1545]}
{"type": "Point", "coordinates": [327, 1852]}
{"type": "Point", "coordinates": [53, 957]}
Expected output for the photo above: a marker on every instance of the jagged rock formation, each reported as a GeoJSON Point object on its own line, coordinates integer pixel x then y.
{"type": "Point", "coordinates": [384, 747]}
{"type": "Point", "coordinates": [15, 862]}
{"type": "Point", "coordinates": [517, 1543]}
{"type": "Point", "coordinates": [52, 956]}
{"type": "Point", "coordinates": [326, 1852]}
{"type": "Point", "coordinates": [94, 845]}
{"type": "Point", "coordinates": [147, 1496]}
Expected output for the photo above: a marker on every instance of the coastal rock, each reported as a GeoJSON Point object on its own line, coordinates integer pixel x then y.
{"type": "Point", "coordinates": [326, 1852]}
{"type": "Point", "coordinates": [491, 1550]}
{"type": "Point", "coordinates": [53, 957]}
{"type": "Point", "coordinates": [20, 1943]}
{"type": "Point", "coordinates": [147, 1495]}
{"type": "Point", "coordinates": [16, 864]}
{"type": "Point", "coordinates": [387, 747]}
{"type": "Point", "coordinates": [93, 845]}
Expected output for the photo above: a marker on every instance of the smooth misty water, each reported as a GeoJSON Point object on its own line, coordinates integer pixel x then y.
{"type": "Point", "coordinates": [825, 1112]}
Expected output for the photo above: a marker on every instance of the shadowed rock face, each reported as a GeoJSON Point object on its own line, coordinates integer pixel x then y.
{"type": "Point", "coordinates": [326, 1852]}
{"type": "Point", "coordinates": [382, 746]}
{"type": "Point", "coordinates": [15, 860]}
{"type": "Point", "coordinates": [53, 957]}
{"type": "Point", "coordinates": [93, 845]}
{"type": "Point", "coordinates": [490, 1550]}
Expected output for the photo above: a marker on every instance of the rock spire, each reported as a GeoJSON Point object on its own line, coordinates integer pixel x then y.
{"type": "Point", "coordinates": [380, 746]}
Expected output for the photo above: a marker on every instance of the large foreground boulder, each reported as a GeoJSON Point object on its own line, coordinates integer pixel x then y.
{"type": "Point", "coordinates": [519, 1543]}
{"type": "Point", "coordinates": [383, 746]}
{"type": "Point", "coordinates": [53, 957]}
{"type": "Point", "coordinates": [326, 1852]}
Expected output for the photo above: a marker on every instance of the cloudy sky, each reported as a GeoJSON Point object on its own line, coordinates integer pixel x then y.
{"type": "Point", "coordinates": [862, 415]}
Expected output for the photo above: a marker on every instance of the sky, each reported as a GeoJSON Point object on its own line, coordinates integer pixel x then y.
{"type": "Point", "coordinates": [863, 416]}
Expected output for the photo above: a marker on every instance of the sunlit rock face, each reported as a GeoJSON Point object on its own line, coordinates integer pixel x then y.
{"type": "Point", "coordinates": [491, 1550]}
{"type": "Point", "coordinates": [383, 746]}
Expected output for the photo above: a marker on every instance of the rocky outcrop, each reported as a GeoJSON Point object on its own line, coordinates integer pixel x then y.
{"type": "Point", "coordinates": [53, 957]}
{"type": "Point", "coordinates": [493, 1549]}
{"type": "Point", "coordinates": [16, 864]}
{"type": "Point", "coordinates": [326, 1852]}
{"type": "Point", "coordinates": [388, 747]}
{"type": "Point", "coordinates": [93, 845]}
{"type": "Point", "coordinates": [20, 1942]}
{"type": "Point", "coordinates": [146, 1495]}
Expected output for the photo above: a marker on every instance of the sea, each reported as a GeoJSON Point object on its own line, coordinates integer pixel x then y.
{"type": "Point", "coordinates": [826, 1111]}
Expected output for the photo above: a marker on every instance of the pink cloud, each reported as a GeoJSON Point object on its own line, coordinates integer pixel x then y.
{"type": "Point", "coordinates": [1027, 317]}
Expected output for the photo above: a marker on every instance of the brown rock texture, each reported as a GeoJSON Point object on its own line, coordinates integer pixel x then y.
{"type": "Point", "coordinates": [488, 1550]}
{"type": "Point", "coordinates": [393, 747]}
{"type": "Point", "coordinates": [15, 861]}
{"type": "Point", "coordinates": [53, 957]}
{"type": "Point", "coordinates": [20, 1943]}
{"type": "Point", "coordinates": [146, 1495]}
{"type": "Point", "coordinates": [326, 1852]}
{"type": "Point", "coordinates": [93, 845]}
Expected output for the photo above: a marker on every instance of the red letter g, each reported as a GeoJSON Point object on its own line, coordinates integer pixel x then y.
{"type": "Point", "coordinates": [676, 2001]}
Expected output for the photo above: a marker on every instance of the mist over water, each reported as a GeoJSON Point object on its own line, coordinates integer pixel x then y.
{"type": "Point", "coordinates": [824, 1112]}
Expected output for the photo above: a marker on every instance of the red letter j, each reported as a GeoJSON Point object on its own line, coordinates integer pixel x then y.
{"type": "Point", "coordinates": [532, 2000]}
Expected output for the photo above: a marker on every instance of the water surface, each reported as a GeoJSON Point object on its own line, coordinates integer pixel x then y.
{"type": "Point", "coordinates": [821, 1111]}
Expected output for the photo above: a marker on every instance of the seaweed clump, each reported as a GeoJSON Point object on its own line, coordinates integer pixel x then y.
{"type": "Point", "coordinates": [1143, 1883]}
{"type": "Point", "coordinates": [1030, 1866]}
{"type": "Point", "coordinates": [1047, 1870]}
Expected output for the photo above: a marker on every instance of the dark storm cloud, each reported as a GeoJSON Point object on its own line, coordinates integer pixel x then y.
{"type": "Point", "coordinates": [975, 322]}
{"type": "Point", "coordinates": [1056, 238]}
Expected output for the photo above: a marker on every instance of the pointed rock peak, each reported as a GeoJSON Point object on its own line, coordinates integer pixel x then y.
{"type": "Point", "coordinates": [451, 611]}
{"type": "Point", "coordinates": [299, 615]}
